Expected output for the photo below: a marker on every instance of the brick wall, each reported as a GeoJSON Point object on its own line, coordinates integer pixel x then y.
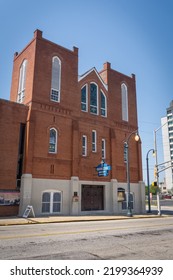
{"type": "Point", "coordinates": [11, 116]}
{"type": "Point", "coordinates": [10, 210]}
{"type": "Point", "coordinates": [68, 119]}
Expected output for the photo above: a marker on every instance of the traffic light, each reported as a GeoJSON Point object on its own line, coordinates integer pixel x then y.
{"type": "Point", "coordinates": [154, 184]}
{"type": "Point", "coordinates": [155, 172]}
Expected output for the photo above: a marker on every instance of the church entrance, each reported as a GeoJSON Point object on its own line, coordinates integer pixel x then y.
{"type": "Point", "coordinates": [92, 198]}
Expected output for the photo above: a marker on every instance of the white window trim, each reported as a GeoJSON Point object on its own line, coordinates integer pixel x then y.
{"type": "Point", "coordinates": [52, 88]}
{"type": "Point", "coordinates": [84, 147]}
{"type": "Point", "coordinates": [97, 100]}
{"type": "Point", "coordinates": [105, 105]}
{"type": "Point", "coordinates": [124, 101]}
{"type": "Point", "coordinates": [22, 82]}
{"type": "Point", "coordinates": [52, 128]}
{"type": "Point", "coordinates": [51, 201]}
{"type": "Point", "coordinates": [86, 85]}
{"type": "Point", "coordinates": [94, 143]}
{"type": "Point", "coordinates": [98, 75]}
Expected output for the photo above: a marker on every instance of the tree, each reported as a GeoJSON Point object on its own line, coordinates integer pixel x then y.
{"type": "Point", "coordinates": [153, 190]}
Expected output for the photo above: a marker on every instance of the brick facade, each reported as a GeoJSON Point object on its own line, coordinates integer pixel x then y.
{"type": "Point", "coordinates": [40, 114]}
{"type": "Point", "coordinates": [11, 116]}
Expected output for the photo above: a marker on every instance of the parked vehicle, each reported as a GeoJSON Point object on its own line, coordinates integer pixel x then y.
{"type": "Point", "coordinates": [167, 196]}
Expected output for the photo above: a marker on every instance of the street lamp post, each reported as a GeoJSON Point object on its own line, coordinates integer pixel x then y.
{"type": "Point", "coordinates": [156, 166]}
{"type": "Point", "coordinates": [148, 181]}
{"type": "Point", "coordinates": [126, 146]}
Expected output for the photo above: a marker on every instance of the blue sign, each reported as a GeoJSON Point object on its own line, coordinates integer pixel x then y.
{"type": "Point", "coordinates": [103, 169]}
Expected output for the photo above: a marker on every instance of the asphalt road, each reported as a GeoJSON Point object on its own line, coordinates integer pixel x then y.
{"type": "Point", "coordinates": [166, 207]}
{"type": "Point", "coordinates": [149, 238]}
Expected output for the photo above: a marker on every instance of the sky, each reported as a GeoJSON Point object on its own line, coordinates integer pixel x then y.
{"type": "Point", "coordinates": [135, 36]}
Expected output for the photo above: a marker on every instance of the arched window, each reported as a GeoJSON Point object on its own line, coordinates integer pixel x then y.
{"type": "Point", "coordinates": [56, 79]}
{"type": "Point", "coordinates": [103, 108]}
{"type": "Point", "coordinates": [84, 99]}
{"type": "Point", "coordinates": [51, 202]}
{"type": "Point", "coordinates": [124, 98]}
{"type": "Point", "coordinates": [53, 140]}
{"type": "Point", "coordinates": [22, 80]}
{"type": "Point", "coordinates": [46, 202]}
{"type": "Point", "coordinates": [93, 99]}
{"type": "Point", "coordinates": [56, 207]}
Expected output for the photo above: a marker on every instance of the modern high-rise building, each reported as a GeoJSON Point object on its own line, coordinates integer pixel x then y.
{"type": "Point", "coordinates": [167, 136]}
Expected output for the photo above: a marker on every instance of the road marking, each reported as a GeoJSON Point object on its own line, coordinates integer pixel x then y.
{"type": "Point", "coordinates": [80, 231]}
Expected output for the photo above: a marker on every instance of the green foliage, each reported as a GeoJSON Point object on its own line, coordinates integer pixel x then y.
{"type": "Point", "coordinates": [153, 190]}
{"type": "Point", "coordinates": [146, 190]}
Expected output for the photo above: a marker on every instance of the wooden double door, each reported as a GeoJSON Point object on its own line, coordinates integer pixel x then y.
{"type": "Point", "coordinates": [92, 198]}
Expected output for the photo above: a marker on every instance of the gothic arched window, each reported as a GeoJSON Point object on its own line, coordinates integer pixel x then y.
{"type": "Point", "coordinates": [56, 79]}
{"type": "Point", "coordinates": [84, 99]}
{"type": "Point", "coordinates": [53, 140]}
{"type": "Point", "coordinates": [93, 99]}
{"type": "Point", "coordinates": [103, 104]}
{"type": "Point", "coordinates": [22, 80]}
{"type": "Point", "coordinates": [124, 98]}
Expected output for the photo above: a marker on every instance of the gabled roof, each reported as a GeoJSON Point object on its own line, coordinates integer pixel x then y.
{"type": "Point", "coordinates": [96, 72]}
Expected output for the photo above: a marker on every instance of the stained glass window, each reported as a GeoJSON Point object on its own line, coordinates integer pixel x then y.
{"type": "Point", "coordinates": [103, 104]}
{"type": "Point", "coordinates": [84, 99]}
{"type": "Point", "coordinates": [93, 99]}
{"type": "Point", "coordinates": [53, 141]}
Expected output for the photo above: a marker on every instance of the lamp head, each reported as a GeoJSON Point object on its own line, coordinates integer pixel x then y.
{"type": "Point", "coordinates": [137, 137]}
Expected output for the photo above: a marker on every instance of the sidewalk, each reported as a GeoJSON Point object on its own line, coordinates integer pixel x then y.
{"type": "Point", "coordinates": [7, 221]}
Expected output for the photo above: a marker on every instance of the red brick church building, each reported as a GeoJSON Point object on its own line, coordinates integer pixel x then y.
{"type": "Point", "coordinates": [58, 127]}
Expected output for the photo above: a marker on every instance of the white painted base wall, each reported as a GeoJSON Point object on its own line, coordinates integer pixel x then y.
{"type": "Point", "coordinates": [32, 190]}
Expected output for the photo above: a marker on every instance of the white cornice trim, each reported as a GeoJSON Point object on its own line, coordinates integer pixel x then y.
{"type": "Point", "coordinates": [88, 72]}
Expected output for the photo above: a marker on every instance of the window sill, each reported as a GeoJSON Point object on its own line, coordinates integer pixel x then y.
{"type": "Point", "coordinates": [54, 155]}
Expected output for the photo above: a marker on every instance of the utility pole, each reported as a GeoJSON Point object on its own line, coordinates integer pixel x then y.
{"type": "Point", "coordinates": [156, 166]}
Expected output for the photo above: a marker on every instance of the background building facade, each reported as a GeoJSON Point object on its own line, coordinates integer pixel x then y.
{"type": "Point", "coordinates": [67, 125]}
{"type": "Point", "coordinates": [167, 136]}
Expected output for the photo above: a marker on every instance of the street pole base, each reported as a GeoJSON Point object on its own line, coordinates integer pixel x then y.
{"type": "Point", "coordinates": [129, 213]}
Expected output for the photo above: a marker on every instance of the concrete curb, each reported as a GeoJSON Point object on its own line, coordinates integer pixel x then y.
{"type": "Point", "coordinates": [65, 219]}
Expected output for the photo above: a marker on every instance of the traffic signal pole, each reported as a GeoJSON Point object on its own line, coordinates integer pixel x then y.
{"type": "Point", "coordinates": [157, 165]}
{"type": "Point", "coordinates": [157, 174]}
{"type": "Point", "coordinates": [148, 181]}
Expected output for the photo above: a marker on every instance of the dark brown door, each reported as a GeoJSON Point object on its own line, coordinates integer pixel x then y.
{"type": "Point", "coordinates": [92, 198]}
